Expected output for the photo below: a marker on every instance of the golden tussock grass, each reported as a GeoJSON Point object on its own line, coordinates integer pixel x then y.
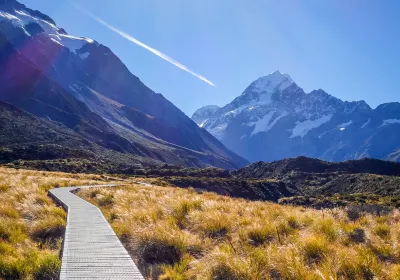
{"type": "Point", "coordinates": [31, 225]}
{"type": "Point", "coordinates": [177, 233]}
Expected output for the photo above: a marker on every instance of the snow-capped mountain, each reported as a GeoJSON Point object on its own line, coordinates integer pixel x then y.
{"type": "Point", "coordinates": [81, 84]}
{"type": "Point", "coordinates": [274, 119]}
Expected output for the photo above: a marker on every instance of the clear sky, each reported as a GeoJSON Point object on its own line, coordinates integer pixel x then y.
{"type": "Point", "coordinates": [351, 49]}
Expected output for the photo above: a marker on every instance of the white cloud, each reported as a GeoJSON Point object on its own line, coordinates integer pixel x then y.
{"type": "Point", "coordinates": [143, 45]}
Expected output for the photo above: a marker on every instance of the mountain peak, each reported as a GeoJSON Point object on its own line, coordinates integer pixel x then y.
{"type": "Point", "coordinates": [277, 73]}
{"type": "Point", "coordinates": [272, 81]}
{"type": "Point", "coordinates": [11, 6]}
{"type": "Point", "coordinates": [278, 76]}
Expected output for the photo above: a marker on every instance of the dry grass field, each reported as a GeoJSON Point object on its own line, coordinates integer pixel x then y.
{"type": "Point", "coordinates": [31, 225]}
{"type": "Point", "coordinates": [179, 234]}
{"type": "Point", "coordinates": [176, 233]}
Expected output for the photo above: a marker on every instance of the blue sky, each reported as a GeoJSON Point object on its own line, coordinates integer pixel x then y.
{"type": "Point", "coordinates": [351, 49]}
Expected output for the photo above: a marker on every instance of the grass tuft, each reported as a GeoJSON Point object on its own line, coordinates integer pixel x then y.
{"type": "Point", "coordinates": [4, 187]}
{"type": "Point", "coordinates": [49, 268]}
{"type": "Point", "coordinates": [382, 230]}
{"type": "Point", "coordinates": [213, 225]}
{"type": "Point", "coordinates": [293, 222]}
{"type": "Point", "coordinates": [48, 230]}
{"type": "Point", "coordinates": [315, 249]}
{"type": "Point", "coordinates": [260, 235]}
{"type": "Point", "coordinates": [157, 247]}
{"type": "Point", "coordinates": [358, 263]}
{"type": "Point", "coordinates": [328, 227]}
{"type": "Point", "coordinates": [183, 208]}
{"type": "Point", "coordinates": [176, 271]}
{"type": "Point", "coordinates": [223, 263]}
{"type": "Point", "coordinates": [105, 200]}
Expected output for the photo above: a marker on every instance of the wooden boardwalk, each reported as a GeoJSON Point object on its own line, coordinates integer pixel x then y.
{"type": "Point", "coordinates": [91, 249]}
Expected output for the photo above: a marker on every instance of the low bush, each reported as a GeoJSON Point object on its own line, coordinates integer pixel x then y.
{"type": "Point", "coordinates": [354, 213]}
{"type": "Point", "coordinates": [357, 235]}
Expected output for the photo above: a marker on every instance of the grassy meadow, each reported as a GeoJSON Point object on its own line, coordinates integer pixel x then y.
{"type": "Point", "coordinates": [177, 233]}
{"type": "Point", "coordinates": [31, 225]}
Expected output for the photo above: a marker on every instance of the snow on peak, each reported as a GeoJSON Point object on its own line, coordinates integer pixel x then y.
{"type": "Point", "coordinates": [21, 18]}
{"type": "Point", "coordinates": [271, 82]}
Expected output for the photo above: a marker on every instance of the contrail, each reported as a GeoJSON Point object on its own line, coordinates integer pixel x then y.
{"type": "Point", "coordinates": [143, 45]}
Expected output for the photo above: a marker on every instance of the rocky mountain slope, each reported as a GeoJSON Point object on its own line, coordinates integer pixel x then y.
{"type": "Point", "coordinates": [81, 85]}
{"type": "Point", "coordinates": [274, 119]}
{"type": "Point", "coordinates": [204, 113]}
{"type": "Point", "coordinates": [26, 140]}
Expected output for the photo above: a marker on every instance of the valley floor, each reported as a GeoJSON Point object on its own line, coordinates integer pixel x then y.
{"type": "Point", "coordinates": [185, 233]}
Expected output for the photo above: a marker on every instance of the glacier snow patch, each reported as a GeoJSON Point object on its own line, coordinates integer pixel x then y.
{"type": "Point", "coordinates": [266, 123]}
{"type": "Point", "coordinates": [302, 128]}
{"type": "Point", "coordinates": [390, 121]}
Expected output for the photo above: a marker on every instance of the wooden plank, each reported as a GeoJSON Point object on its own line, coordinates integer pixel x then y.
{"type": "Point", "coordinates": [91, 249]}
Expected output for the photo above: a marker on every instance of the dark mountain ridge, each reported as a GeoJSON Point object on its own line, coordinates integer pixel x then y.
{"type": "Point", "coordinates": [311, 165]}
